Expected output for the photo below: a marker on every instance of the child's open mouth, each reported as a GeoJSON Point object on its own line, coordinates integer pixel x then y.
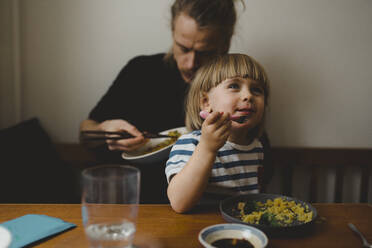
{"type": "Point", "coordinates": [240, 119]}
{"type": "Point", "coordinates": [244, 115]}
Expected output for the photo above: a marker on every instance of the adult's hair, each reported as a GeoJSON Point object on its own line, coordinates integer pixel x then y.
{"type": "Point", "coordinates": [212, 74]}
{"type": "Point", "coordinates": [217, 15]}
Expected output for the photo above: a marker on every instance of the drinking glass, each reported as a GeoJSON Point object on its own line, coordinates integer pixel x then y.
{"type": "Point", "coordinates": [110, 201]}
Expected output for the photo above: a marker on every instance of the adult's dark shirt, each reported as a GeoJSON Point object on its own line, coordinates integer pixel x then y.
{"type": "Point", "coordinates": [149, 93]}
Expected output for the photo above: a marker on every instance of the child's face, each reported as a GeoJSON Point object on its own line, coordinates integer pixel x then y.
{"type": "Point", "coordinates": [239, 97]}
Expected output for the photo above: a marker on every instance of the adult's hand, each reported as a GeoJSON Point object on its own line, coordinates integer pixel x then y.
{"type": "Point", "coordinates": [116, 126]}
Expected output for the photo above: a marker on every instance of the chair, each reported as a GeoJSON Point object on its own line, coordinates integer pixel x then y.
{"type": "Point", "coordinates": [322, 174]}
{"type": "Point", "coordinates": [31, 169]}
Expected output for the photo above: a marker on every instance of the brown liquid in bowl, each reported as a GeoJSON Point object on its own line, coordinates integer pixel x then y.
{"type": "Point", "coordinates": [232, 243]}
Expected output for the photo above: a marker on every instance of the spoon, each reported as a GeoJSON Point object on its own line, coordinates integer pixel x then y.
{"type": "Point", "coordinates": [240, 119]}
{"type": "Point", "coordinates": [365, 242]}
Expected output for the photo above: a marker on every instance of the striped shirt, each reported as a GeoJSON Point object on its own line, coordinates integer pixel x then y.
{"type": "Point", "coordinates": [234, 170]}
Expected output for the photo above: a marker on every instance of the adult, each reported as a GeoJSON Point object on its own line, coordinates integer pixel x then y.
{"type": "Point", "coordinates": [148, 94]}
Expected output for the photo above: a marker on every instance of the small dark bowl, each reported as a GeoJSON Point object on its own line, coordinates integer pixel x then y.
{"type": "Point", "coordinates": [228, 205]}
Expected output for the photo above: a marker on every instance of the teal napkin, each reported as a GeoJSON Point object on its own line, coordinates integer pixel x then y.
{"type": "Point", "coordinates": [33, 227]}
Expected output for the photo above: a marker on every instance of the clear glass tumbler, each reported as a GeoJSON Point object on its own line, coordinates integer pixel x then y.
{"type": "Point", "coordinates": [110, 201]}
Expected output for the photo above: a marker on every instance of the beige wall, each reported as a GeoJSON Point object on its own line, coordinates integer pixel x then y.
{"type": "Point", "coordinates": [8, 87]}
{"type": "Point", "coordinates": [317, 54]}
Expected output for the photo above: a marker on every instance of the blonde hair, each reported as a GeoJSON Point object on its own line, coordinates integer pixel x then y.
{"type": "Point", "coordinates": [212, 74]}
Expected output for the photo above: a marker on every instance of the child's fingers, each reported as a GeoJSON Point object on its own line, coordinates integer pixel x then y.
{"type": "Point", "coordinates": [212, 118]}
{"type": "Point", "coordinates": [226, 117]}
{"type": "Point", "coordinates": [224, 128]}
{"type": "Point", "coordinates": [223, 120]}
{"type": "Point", "coordinates": [219, 123]}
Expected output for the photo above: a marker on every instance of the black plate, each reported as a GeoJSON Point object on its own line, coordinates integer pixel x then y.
{"type": "Point", "coordinates": [228, 205]}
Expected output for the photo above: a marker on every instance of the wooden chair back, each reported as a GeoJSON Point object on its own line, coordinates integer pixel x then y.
{"type": "Point", "coordinates": [309, 172]}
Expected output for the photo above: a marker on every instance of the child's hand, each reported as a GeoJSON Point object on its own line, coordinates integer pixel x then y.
{"type": "Point", "coordinates": [215, 131]}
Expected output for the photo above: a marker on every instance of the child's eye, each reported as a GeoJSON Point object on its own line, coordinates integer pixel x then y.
{"type": "Point", "coordinates": [257, 90]}
{"type": "Point", "coordinates": [233, 86]}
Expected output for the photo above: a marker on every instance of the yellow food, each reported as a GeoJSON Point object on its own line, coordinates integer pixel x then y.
{"type": "Point", "coordinates": [174, 136]}
{"type": "Point", "coordinates": [277, 212]}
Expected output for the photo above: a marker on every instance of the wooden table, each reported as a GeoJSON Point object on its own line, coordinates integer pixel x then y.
{"type": "Point", "coordinates": [160, 226]}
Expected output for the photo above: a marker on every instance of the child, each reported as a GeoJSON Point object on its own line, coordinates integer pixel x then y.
{"type": "Point", "coordinates": [223, 153]}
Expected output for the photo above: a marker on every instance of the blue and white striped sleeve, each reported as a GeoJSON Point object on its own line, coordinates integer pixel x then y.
{"type": "Point", "coordinates": [181, 153]}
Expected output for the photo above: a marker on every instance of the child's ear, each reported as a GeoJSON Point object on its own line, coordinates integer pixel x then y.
{"type": "Point", "coordinates": [204, 102]}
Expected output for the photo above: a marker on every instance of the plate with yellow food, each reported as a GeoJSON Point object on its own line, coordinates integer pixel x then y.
{"type": "Point", "coordinates": [271, 213]}
{"type": "Point", "coordinates": [155, 149]}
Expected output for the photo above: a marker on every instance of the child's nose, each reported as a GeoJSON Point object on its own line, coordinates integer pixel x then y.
{"type": "Point", "coordinates": [246, 95]}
